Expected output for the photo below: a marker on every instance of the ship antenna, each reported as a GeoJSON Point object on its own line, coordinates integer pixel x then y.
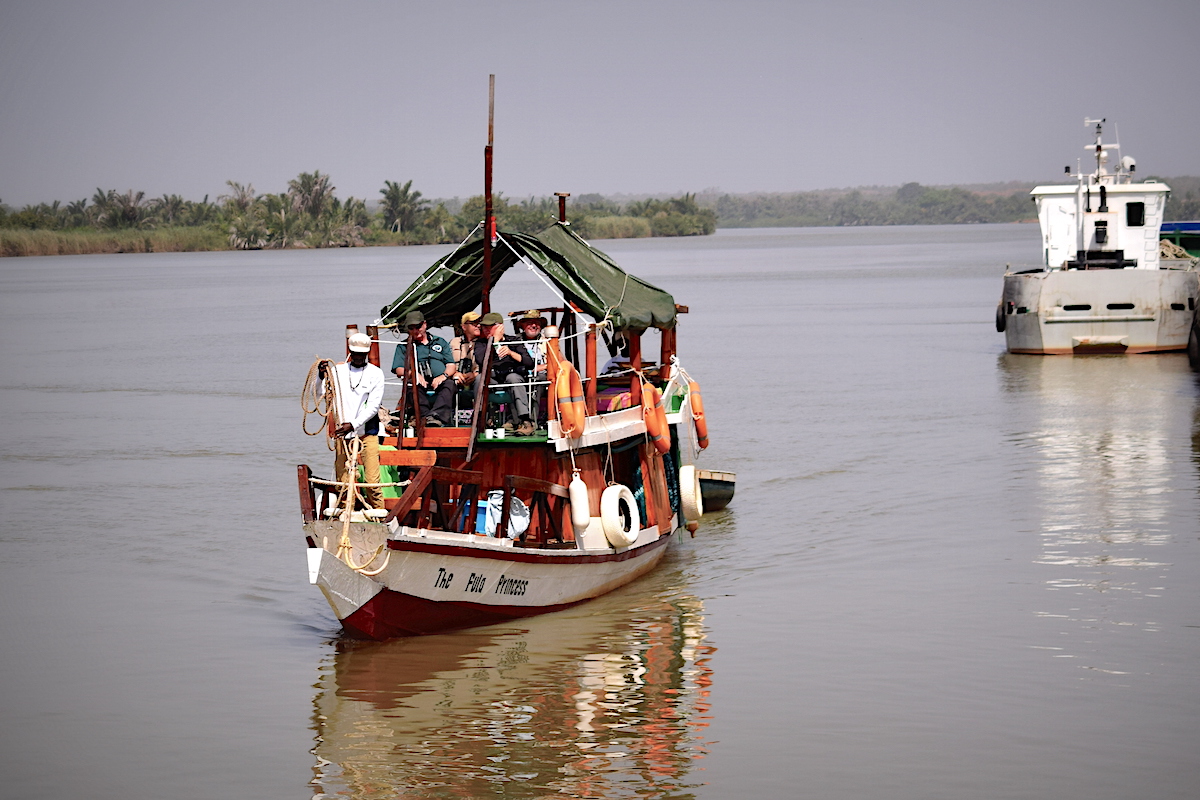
{"type": "Point", "coordinates": [489, 222]}
{"type": "Point", "coordinates": [1088, 121]}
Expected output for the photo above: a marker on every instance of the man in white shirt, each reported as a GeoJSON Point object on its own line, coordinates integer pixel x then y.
{"type": "Point", "coordinates": [360, 392]}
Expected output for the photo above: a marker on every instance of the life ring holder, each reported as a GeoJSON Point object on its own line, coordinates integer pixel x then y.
{"type": "Point", "coordinates": [619, 516]}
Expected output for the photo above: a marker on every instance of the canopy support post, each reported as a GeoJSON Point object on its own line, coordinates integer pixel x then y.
{"type": "Point", "coordinates": [373, 333]}
{"type": "Point", "coordinates": [590, 389]}
{"type": "Point", "coordinates": [668, 352]}
{"type": "Point", "coordinates": [635, 363]}
{"type": "Point", "coordinates": [483, 377]}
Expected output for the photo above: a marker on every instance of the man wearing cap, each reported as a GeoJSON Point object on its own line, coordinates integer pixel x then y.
{"type": "Point", "coordinates": [435, 370]}
{"type": "Point", "coordinates": [469, 350]}
{"type": "Point", "coordinates": [359, 393]}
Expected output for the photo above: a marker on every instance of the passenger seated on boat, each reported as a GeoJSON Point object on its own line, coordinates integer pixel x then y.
{"type": "Point", "coordinates": [522, 364]}
{"type": "Point", "coordinates": [530, 325]}
{"type": "Point", "coordinates": [491, 331]}
{"type": "Point", "coordinates": [468, 351]}
{"type": "Point", "coordinates": [435, 370]}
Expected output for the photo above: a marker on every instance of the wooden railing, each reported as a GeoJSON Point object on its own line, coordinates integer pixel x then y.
{"type": "Point", "coordinates": [430, 502]}
{"type": "Point", "coordinates": [441, 498]}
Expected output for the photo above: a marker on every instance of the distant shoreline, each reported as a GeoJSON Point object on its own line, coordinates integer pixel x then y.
{"type": "Point", "coordinates": [245, 220]}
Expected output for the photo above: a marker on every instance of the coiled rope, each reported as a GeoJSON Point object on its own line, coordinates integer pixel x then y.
{"type": "Point", "coordinates": [325, 404]}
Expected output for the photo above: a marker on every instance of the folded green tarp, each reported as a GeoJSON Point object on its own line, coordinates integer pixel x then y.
{"type": "Point", "coordinates": [585, 276]}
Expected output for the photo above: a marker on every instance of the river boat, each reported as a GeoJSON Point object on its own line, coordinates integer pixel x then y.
{"type": "Point", "coordinates": [488, 526]}
{"type": "Point", "coordinates": [1103, 286]}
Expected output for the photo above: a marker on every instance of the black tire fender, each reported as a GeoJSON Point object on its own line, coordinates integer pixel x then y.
{"type": "Point", "coordinates": [1193, 345]}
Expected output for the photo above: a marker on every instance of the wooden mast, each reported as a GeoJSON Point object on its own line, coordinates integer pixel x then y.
{"type": "Point", "coordinates": [488, 222]}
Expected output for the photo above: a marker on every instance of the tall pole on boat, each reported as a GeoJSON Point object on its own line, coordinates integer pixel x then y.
{"type": "Point", "coordinates": [488, 221]}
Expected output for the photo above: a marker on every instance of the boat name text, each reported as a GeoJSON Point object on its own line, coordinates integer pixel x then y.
{"type": "Point", "coordinates": [475, 583]}
{"type": "Point", "coordinates": [515, 586]}
{"type": "Point", "coordinates": [442, 581]}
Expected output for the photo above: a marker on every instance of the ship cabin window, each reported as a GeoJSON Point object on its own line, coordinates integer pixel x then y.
{"type": "Point", "coordinates": [1078, 307]}
{"type": "Point", "coordinates": [1120, 306]}
{"type": "Point", "coordinates": [1135, 214]}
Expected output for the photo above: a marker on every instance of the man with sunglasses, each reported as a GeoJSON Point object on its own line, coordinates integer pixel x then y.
{"type": "Point", "coordinates": [435, 370]}
{"type": "Point", "coordinates": [469, 350]}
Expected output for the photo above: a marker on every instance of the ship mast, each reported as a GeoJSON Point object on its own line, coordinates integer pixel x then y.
{"type": "Point", "coordinates": [489, 222]}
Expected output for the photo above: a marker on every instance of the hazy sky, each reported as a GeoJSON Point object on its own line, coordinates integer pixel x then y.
{"type": "Point", "coordinates": [609, 97]}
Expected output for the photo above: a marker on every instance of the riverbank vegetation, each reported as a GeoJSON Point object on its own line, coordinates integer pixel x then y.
{"type": "Point", "coordinates": [910, 204]}
{"type": "Point", "coordinates": [309, 214]}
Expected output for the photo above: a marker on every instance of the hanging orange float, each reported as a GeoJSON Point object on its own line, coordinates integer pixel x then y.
{"type": "Point", "coordinates": [698, 414]}
{"type": "Point", "coordinates": [654, 413]}
{"type": "Point", "coordinates": [568, 389]}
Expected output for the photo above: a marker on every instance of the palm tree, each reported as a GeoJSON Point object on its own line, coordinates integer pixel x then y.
{"type": "Point", "coordinates": [102, 202]}
{"type": "Point", "coordinates": [438, 219]}
{"type": "Point", "coordinates": [200, 213]}
{"type": "Point", "coordinates": [75, 215]}
{"type": "Point", "coordinates": [248, 230]}
{"type": "Point", "coordinates": [311, 193]}
{"type": "Point", "coordinates": [130, 210]}
{"type": "Point", "coordinates": [282, 222]}
{"type": "Point", "coordinates": [168, 209]}
{"type": "Point", "coordinates": [240, 198]}
{"type": "Point", "coordinates": [401, 206]}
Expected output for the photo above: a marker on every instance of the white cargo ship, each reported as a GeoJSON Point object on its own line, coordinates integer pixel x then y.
{"type": "Point", "coordinates": [1102, 286]}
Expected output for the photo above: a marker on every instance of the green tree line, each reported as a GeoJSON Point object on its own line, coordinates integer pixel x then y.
{"type": "Point", "coordinates": [910, 204]}
{"type": "Point", "coordinates": [309, 214]}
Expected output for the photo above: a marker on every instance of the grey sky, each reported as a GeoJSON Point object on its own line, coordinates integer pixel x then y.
{"type": "Point", "coordinates": [609, 97]}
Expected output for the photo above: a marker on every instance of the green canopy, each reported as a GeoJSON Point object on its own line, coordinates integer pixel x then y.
{"type": "Point", "coordinates": [585, 276]}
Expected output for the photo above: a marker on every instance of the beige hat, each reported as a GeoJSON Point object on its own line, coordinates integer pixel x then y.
{"type": "Point", "coordinates": [532, 315]}
{"type": "Point", "coordinates": [470, 316]}
{"type": "Point", "coordinates": [360, 343]}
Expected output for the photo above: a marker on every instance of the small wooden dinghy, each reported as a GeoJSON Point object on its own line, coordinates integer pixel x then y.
{"type": "Point", "coordinates": [716, 488]}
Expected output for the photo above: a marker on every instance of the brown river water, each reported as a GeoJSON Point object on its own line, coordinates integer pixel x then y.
{"type": "Point", "coordinates": [947, 573]}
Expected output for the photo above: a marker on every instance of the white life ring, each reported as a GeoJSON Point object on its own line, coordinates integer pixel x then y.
{"type": "Point", "coordinates": [689, 493]}
{"type": "Point", "coordinates": [619, 516]}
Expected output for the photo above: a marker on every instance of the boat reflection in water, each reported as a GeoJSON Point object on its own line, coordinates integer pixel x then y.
{"type": "Point", "coordinates": [606, 700]}
{"type": "Point", "coordinates": [1109, 445]}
